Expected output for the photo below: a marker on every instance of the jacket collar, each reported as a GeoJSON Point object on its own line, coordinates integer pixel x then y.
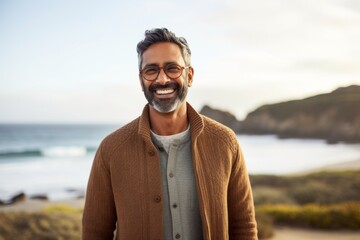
{"type": "Point", "coordinates": [195, 119]}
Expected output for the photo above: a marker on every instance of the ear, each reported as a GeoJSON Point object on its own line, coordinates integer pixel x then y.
{"type": "Point", "coordinates": [190, 76]}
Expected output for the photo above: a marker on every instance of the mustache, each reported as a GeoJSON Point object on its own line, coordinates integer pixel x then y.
{"type": "Point", "coordinates": [153, 87]}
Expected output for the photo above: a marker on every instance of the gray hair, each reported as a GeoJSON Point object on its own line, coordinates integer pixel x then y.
{"type": "Point", "coordinates": [163, 35]}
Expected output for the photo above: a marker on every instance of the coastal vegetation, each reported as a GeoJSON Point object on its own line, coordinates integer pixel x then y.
{"type": "Point", "coordinates": [335, 216]}
{"type": "Point", "coordinates": [322, 200]}
{"type": "Point", "coordinates": [318, 188]}
{"type": "Point", "coordinates": [53, 223]}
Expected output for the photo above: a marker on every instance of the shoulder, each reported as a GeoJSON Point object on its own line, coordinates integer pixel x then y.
{"type": "Point", "coordinates": [117, 138]}
{"type": "Point", "coordinates": [215, 128]}
{"type": "Point", "coordinates": [216, 131]}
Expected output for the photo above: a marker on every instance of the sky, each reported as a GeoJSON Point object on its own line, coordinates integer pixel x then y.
{"type": "Point", "coordinates": [75, 61]}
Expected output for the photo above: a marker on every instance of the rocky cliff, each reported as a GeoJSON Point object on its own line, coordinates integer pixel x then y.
{"type": "Point", "coordinates": [223, 117]}
{"type": "Point", "coordinates": [332, 116]}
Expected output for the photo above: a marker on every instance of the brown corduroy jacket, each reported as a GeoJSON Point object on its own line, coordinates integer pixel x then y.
{"type": "Point", "coordinates": [125, 191]}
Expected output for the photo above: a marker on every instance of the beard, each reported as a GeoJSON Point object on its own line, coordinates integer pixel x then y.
{"type": "Point", "coordinates": [165, 105]}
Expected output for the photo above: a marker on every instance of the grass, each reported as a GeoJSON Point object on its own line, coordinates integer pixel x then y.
{"type": "Point", "coordinates": [265, 224]}
{"type": "Point", "coordinates": [323, 200]}
{"type": "Point", "coordinates": [330, 217]}
{"type": "Point", "coordinates": [320, 188]}
{"type": "Point", "coordinates": [50, 224]}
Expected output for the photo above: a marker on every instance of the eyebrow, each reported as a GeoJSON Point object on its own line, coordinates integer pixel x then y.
{"type": "Point", "coordinates": [157, 65]}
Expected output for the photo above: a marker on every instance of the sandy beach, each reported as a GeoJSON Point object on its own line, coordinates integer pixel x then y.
{"type": "Point", "coordinates": [286, 233]}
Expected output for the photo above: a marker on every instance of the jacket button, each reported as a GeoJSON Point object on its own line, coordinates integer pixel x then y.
{"type": "Point", "coordinates": [151, 153]}
{"type": "Point", "coordinates": [157, 198]}
{"type": "Point", "coordinates": [177, 236]}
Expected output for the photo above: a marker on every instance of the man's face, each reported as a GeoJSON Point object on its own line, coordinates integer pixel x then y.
{"type": "Point", "coordinates": [165, 94]}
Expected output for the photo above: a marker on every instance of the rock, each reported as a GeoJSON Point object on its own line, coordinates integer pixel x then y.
{"type": "Point", "coordinates": [17, 197]}
{"type": "Point", "coordinates": [39, 197]}
{"type": "Point", "coordinates": [79, 193]}
{"type": "Point", "coordinates": [223, 117]}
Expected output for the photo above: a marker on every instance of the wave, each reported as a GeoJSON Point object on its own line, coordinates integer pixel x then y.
{"type": "Point", "coordinates": [58, 151]}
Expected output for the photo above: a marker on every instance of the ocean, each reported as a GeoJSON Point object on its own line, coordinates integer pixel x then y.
{"type": "Point", "coordinates": [55, 160]}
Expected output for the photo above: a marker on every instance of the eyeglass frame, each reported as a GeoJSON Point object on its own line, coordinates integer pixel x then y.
{"type": "Point", "coordinates": [162, 68]}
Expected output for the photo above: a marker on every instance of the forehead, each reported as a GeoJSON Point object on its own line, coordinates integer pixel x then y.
{"type": "Point", "coordinates": [163, 52]}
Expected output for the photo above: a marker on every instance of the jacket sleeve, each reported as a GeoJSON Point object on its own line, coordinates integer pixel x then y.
{"type": "Point", "coordinates": [99, 216]}
{"type": "Point", "coordinates": [242, 223]}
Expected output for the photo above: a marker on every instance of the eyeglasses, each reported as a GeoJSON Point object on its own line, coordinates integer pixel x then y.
{"type": "Point", "coordinates": [172, 71]}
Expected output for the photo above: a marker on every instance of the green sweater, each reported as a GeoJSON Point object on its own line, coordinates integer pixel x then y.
{"type": "Point", "coordinates": [125, 185]}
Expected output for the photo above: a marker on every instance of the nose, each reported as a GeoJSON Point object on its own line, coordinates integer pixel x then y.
{"type": "Point", "coordinates": [162, 77]}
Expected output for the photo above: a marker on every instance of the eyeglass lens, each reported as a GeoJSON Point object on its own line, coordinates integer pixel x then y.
{"type": "Point", "coordinates": [151, 73]}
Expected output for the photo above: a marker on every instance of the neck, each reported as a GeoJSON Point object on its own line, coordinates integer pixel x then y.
{"type": "Point", "coordinates": [165, 124]}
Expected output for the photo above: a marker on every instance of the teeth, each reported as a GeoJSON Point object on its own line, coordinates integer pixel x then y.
{"type": "Point", "coordinates": [164, 91]}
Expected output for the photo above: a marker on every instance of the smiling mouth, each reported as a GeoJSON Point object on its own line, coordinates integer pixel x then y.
{"type": "Point", "coordinates": [164, 91]}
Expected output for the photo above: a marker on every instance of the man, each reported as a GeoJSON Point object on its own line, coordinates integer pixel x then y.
{"type": "Point", "coordinates": [171, 173]}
